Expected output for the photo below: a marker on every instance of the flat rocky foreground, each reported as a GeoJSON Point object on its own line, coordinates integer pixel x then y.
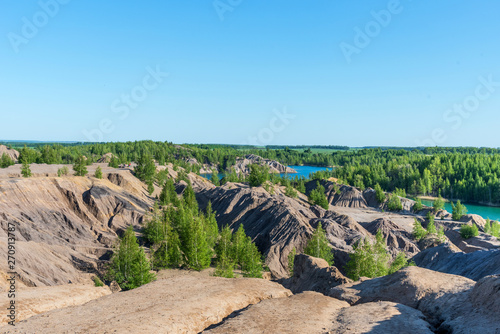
{"type": "Point", "coordinates": [413, 300]}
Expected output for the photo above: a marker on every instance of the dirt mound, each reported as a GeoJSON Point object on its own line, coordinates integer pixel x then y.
{"type": "Point", "coordinates": [64, 225]}
{"type": "Point", "coordinates": [242, 165]}
{"type": "Point", "coordinates": [313, 274]}
{"type": "Point", "coordinates": [396, 238]}
{"type": "Point", "coordinates": [11, 153]}
{"type": "Point", "coordinates": [275, 223]}
{"type": "Point", "coordinates": [180, 304]}
{"type": "Point", "coordinates": [339, 195]}
{"type": "Point", "coordinates": [106, 158]}
{"type": "Point", "coordinates": [474, 219]}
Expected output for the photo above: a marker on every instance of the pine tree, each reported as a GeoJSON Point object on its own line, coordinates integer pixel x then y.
{"type": "Point", "coordinates": [362, 261]}
{"type": "Point", "coordinates": [418, 231]}
{"type": "Point", "coordinates": [438, 204]}
{"type": "Point", "coordinates": [145, 169]}
{"type": "Point", "coordinates": [399, 262]}
{"type": "Point", "coordinates": [394, 203]}
{"type": "Point", "coordinates": [291, 192]}
{"type": "Point", "coordinates": [98, 172]}
{"type": "Point", "coordinates": [151, 187]}
{"type": "Point", "coordinates": [174, 250]}
{"type": "Point", "coordinates": [379, 193]}
{"type": "Point", "coordinates": [198, 253]}
{"type": "Point", "coordinates": [440, 234]}
{"type": "Point", "coordinates": [129, 265]}
{"type": "Point", "coordinates": [168, 194]}
{"type": "Point", "coordinates": [487, 226]}
{"type": "Point", "coordinates": [381, 255]}
{"type": "Point", "coordinates": [318, 246]}
{"type": "Point", "coordinates": [418, 205]}
{"type": "Point", "coordinates": [26, 170]}
{"type": "Point", "coordinates": [469, 231]}
{"type": "Point", "coordinates": [431, 227]}
{"type": "Point", "coordinates": [291, 261]}
{"type": "Point", "coordinates": [80, 166]}
{"type": "Point", "coordinates": [252, 263]}
{"type": "Point", "coordinates": [458, 210]}
{"type": "Point", "coordinates": [258, 175]}
{"type": "Point", "coordinates": [211, 227]}
{"type": "Point", "coordinates": [224, 263]}
{"type": "Point", "coordinates": [238, 251]}
{"type": "Point", "coordinates": [189, 198]}
{"type": "Point", "coordinates": [318, 197]}
{"type": "Point", "coordinates": [215, 178]}
{"type": "Point", "coordinates": [5, 161]}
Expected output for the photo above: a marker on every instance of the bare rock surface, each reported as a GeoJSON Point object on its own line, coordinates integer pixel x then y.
{"type": "Point", "coordinates": [33, 301]}
{"type": "Point", "coordinates": [313, 274]}
{"type": "Point", "coordinates": [311, 312]}
{"type": "Point", "coordinates": [451, 303]}
{"type": "Point", "coordinates": [448, 259]}
{"type": "Point", "coordinates": [380, 318]}
{"type": "Point", "coordinates": [179, 304]}
{"type": "Point", "coordinates": [308, 312]}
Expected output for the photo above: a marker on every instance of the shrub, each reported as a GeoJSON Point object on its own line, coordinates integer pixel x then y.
{"type": "Point", "coordinates": [291, 192]}
{"type": "Point", "coordinates": [418, 231]}
{"type": "Point", "coordinates": [98, 172]}
{"type": "Point", "coordinates": [438, 204]}
{"type": "Point", "coordinates": [98, 282]}
{"type": "Point", "coordinates": [318, 246]}
{"type": "Point", "coordinates": [399, 192]}
{"type": "Point", "coordinates": [80, 166]}
{"type": "Point", "coordinates": [394, 203]}
{"type": "Point", "coordinates": [459, 210]}
{"type": "Point", "coordinates": [129, 265]}
{"type": "Point", "coordinates": [26, 170]}
{"type": "Point", "coordinates": [291, 261]}
{"type": "Point", "coordinates": [258, 175]}
{"type": "Point", "coordinates": [379, 193]}
{"type": "Point", "coordinates": [469, 231]}
{"type": "Point", "coordinates": [440, 234]}
{"type": "Point", "coordinates": [431, 227]}
{"type": "Point", "coordinates": [318, 197]}
{"type": "Point", "coordinates": [63, 171]}
{"type": "Point", "coordinates": [5, 161]}
{"type": "Point", "coordinates": [418, 205]}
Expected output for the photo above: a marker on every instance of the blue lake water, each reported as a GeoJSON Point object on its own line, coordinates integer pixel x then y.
{"type": "Point", "coordinates": [301, 171]}
{"type": "Point", "coordinates": [490, 212]}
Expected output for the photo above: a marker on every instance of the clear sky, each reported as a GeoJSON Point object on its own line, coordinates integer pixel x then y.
{"type": "Point", "coordinates": [343, 72]}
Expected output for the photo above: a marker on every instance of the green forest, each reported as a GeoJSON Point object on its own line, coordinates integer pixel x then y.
{"type": "Point", "coordinates": [464, 173]}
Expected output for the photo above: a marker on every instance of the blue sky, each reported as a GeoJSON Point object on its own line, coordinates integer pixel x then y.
{"type": "Point", "coordinates": [233, 66]}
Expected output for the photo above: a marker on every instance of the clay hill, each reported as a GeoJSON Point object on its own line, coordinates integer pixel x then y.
{"type": "Point", "coordinates": [242, 165]}
{"type": "Point", "coordinates": [11, 153]}
{"type": "Point", "coordinates": [66, 227]}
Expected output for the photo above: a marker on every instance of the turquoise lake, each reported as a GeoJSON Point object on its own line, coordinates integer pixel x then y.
{"type": "Point", "coordinates": [301, 171]}
{"type": "Point", "coordinates": [490, 212]}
